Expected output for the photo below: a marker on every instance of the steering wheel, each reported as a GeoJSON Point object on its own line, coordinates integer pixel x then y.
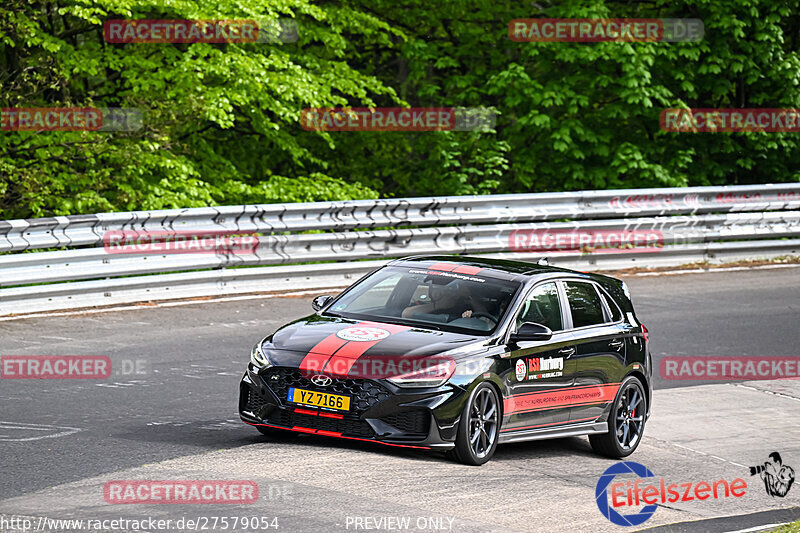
{"type": "Point", "coordinates": [484, 315]}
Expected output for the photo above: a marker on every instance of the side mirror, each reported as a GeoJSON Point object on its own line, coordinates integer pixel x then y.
{"type": "Point", "coordinates": [531, 331]}
{"type": "Point", "coordinates": [321, 301]}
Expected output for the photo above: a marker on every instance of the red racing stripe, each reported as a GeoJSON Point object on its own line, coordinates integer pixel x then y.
{"type": "Point", "coordinates": [344, 359]}
{"type": "Point", "coordinates": [469, 270]}
{"type": "Point", "coordinates": [550, 424]}
{"type": "Point", "coordinates": [322, 352]}
{"type": "Point", "coordinates": [567, 397]}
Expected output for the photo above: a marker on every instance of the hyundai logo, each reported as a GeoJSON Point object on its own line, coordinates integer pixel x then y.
{"type": "Point", "coordinates": [321, 381]}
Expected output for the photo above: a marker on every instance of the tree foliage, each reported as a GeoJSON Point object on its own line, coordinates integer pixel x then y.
{"type": "Point", "coordinates": [221, 121]}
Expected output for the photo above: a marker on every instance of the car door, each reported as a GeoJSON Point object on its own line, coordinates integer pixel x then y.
{"type": "Point", "coordinates": [541, 371]}
{"type": "Point", "coordinates": [599, 339]}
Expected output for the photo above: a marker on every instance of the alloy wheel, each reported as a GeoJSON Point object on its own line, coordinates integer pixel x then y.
{"type": "Point", "coordinates": [629, 416]}
{"type": "Point", "coordinates": [484, 416]}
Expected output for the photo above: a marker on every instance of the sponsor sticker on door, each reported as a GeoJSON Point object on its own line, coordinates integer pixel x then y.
{"type": "Point", "coordinates": [540, 367]}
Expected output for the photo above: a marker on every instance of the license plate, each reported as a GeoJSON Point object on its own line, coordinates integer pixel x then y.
{"type": "Point", "coordinates": [319, 399]}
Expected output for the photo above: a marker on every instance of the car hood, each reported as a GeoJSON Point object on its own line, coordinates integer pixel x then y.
{"type": "Point", "coordinates": [322, 335]}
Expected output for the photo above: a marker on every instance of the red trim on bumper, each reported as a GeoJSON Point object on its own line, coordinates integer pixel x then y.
{"type": "Point", "coordinates": [337, 435]}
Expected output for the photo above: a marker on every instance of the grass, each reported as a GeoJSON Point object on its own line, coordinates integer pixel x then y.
{"type": "Point", "coordinates": [794, 527]}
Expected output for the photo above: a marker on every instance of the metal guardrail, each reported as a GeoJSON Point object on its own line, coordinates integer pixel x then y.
{"type": "Point", "coordinates": [693, 224]}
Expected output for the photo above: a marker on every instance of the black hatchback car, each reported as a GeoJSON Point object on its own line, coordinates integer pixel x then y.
{"type": "Point", "coordinates": [459, 354]}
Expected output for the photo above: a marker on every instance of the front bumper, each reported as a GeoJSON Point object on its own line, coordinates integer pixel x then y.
{"type": "Point", "coordinates": [379, 411]}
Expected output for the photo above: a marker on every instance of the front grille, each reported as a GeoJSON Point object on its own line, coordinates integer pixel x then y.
{"type": "Point", "coordinates": [356, 428]}
{"type": "Point", "coordinates": [409, 421]}
{"type": "Point", "coordinates": [364, 393]}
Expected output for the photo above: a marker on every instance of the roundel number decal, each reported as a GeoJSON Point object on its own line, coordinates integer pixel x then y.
{"type": "Point", "coordinates": [362, 334]}
{"type": "Point", "coordinates": [521, 370]}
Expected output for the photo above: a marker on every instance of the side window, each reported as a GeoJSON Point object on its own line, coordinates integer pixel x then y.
{"type": "Point", "coordinates": [542, 307]}
{"type": "Point", "coordinates": [584, 304]}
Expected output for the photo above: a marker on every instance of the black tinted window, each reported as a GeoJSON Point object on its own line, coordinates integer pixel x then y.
{"type": "Point", "coordinates": [542, 307]}
{"type": "Point", "coordinates": [584, 303]}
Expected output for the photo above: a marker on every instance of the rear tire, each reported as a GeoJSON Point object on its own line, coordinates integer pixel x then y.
{"type": "Point", "coordinates": [626, 422]}
{"type": "Point", "coordinates": [479, 428]}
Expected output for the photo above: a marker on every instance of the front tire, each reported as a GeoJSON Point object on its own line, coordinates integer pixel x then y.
{"type": "Point", "coordinates": [476, 438]}
{"type": "Point", "coordinates": [625, 422]}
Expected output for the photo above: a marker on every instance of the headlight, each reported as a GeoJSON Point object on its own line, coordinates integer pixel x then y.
{"type": "Point", "coordinates": [432, 376]}
{"type": "Point", "coordinates": [258, 358]}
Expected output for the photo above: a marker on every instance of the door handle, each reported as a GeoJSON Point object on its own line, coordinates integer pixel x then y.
{"type": "Point", "coordinates": [616, 344]}
{"type": "Point", "coordinates": [567, 351]}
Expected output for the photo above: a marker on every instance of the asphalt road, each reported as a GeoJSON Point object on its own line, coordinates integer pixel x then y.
{"type": "Point", "coordinates": [190, 358]}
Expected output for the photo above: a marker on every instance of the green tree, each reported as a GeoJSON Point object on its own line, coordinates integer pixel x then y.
{"type": "Point", "coordinates": [220, 119]}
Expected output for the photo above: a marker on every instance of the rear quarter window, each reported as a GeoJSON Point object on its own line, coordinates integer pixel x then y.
{"type": "Point", "coordinates": [613, 308]}
{"type": "Point", "coordinates": [585, 304]}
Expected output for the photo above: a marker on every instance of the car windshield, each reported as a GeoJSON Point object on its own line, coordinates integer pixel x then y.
{"type": "Point", "coordinates": [448, 301]}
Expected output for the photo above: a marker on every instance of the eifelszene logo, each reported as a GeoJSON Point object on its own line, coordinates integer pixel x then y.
{"type": "Point", "coordinates": [601, 494]}
{"type": "Point", "coordinates": [777, 477]}
{"type": "Point", "coordinates": [658, 491]}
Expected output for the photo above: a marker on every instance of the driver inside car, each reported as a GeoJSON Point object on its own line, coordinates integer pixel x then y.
{"type": "Point", "coordinates": [453, 300]}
